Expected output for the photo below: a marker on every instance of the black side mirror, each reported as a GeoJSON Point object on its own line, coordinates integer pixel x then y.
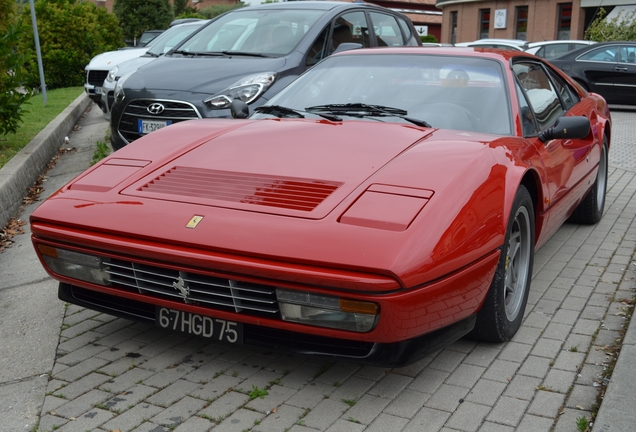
{"type": "Point", "coordinates": [567, 127]}
{"type": "Point", "coordinates": [239, 109]}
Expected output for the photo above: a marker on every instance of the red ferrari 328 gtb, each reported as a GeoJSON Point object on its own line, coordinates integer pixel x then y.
{"type": "Point", "coordinates": [383, 205]}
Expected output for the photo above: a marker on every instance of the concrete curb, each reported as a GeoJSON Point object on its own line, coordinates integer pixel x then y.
{"type": "Point", "coordinates": [25, 167]}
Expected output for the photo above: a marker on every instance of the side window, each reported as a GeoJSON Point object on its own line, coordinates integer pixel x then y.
{"type": "Point", "coordinates": [568, 94]}
{"type": "Point", "coordinates": [527, 116]}
{"type": "Point", "coordinates": [541, 94]}
{"type": "Point", "coordinates": [604, 54]}
{"type": "Point", "coordinates": [406, 29]}
{"type": "Point", "coordinates": [387, 30]}
{"type": "Point", "coordinates": [319, 49]}
{"type": "Point", "coordinates": [627, 54]}
{"type": "Point", "coordinates": [350, 27]}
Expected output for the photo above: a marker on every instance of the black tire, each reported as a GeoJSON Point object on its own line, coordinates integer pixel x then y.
{"type": "Point", "coordinates": [502, 312]}
{"type": "Point", "coordinates": [590, 210]}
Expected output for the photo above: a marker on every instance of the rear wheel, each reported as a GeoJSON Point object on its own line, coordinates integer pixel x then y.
{"type": "Point", "coordinates": [501, 315]}
{"type": "Point", "coordinates": [590, 210]}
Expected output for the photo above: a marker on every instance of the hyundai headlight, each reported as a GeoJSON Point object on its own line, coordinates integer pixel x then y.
{"type": "Point", "coordinates": [247, 89]}
{"type": "Point", "coordinates": [327, 311]}
{"type": "Point", "coordinates": [119, 87]}
{"type": "Point", "coordinates": [76, 265]}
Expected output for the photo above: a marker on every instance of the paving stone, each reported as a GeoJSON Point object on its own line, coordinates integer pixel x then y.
{"type": "Point", "coordinates": [119, 351]}
{"type": "Point", "coordinates": [71, 344]}
{"type": "Point", "coordinates": [582, 396]}
{"type": "Point", "coordinates": [79, 370]}
{"type": "Point", "coordinates": [239, 421]}
{"type": "Point", "coordinates": [129, 398]}
{"type": "Point", "coordinates": [300, 376]}
{"type": "Point", "coordinates": [468, 416]}
{"type": "Point", "coordinates": [447, 360]}
{"type": "Point", "coordinates": [559, 380]}
{"type": "Point", "coordinates": [225, 405]}
{"type": "Point", "coordinates": [310, 396]}
{"type": "Point", "coordinates": [178, 413]}
{"type": "Point", "coordinates": [407, 404]}
{"type": "Point", "coordinates": [446, 398]}
{"type": "Point", "coordinates": [501, 370]}
{"type": "Point", "coordinates": [346, 426]}
{"type": "Point", "coordinates": [508, 411]}
{"type": "Point", "coordinates": [216, 388]}
{"type": "Point", "coordinates": [262, 379]}
{"type": "Point", "coordinates": [82, 404]}
{"type": "Point", "coordinates": [281, 420]}
{"type": "Point", "coordinates": [483, 355]}
{"type": "Point", "coordinates": [546, 404]}
{"type": "Point", "coordinates": [209, 371]}
{"type": "Point", "coordinates": [389, 386]}
{"type": "Point", "coordinates": [82, 354]}
{"type": "Point", "coordinates": [486, 392]}
{"type": "Point", "coordinates": [355, 387]}
{"type": "Point", "coordinates": [277, 395]}
{"type": "Point", "coordinates": [195, 424]}
{"type": "Point", "coordinates": [132, 418]}
{"type": "Point", "coordinates": [338, 373]}
{"type": "Point", "coordinates": [535, 423]}
{"type": "Point", "coordinates": [168, 376]}
{"type": "Point", "coordinates": [385, 423]}
{"type": "Point", "coordinates": [325, 413]}
{"type": "Point", "coordinates": [87, 421]}
{"type": "Point", "coordinates": [367, 409]}
{"type": "Point", "coordinates": [427, 419]}
{"type": "Point", "coordinates": [535, 366]}
{"type": "Point", "coordinates": [126, 380]}
{"type": "Point", "coordinates": [428, 381]}
{"type": "Point", "coordinates": [83, 385]}
{"type": "Point", "coordinates": [80, 328]}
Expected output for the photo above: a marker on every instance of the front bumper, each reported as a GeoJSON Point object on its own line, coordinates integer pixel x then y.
{"type": "Point", "coordinates": [395, 354]}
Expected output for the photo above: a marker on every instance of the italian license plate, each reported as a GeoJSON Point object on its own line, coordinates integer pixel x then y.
{"type": "Point", "coordinates": [199, 325]}
{"type": "Point", "coordinates": [147, 126]}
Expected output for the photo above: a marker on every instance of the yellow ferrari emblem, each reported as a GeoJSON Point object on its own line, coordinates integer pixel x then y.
{"type": "Point", "coordinates": [194, 221]}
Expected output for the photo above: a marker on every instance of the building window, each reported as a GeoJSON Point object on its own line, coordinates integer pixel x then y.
{"type": "Point", "coordinates": [484, 23]}
{"type": "Point", "coordinates": [565, 21]}
{"type": "Point", "coordinates": [521, 27]}
{"type": "Point", "coordinates": [453, 27]}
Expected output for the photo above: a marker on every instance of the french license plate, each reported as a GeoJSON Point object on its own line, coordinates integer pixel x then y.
{"type": "Point", "coordinates": [147, 126]}
{"type": "Point", "coordinates": [97, 90]}
{"type": "Point", "coordinates": [199, 325]}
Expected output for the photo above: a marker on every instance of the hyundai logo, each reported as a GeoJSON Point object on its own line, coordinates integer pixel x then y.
{"type": "Point", "coordinates": [155, 108]}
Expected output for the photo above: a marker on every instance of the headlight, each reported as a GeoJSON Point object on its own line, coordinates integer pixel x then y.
{"type": "Point", "coordinates": [119, 87]}
{"type": "Point", "coordinates": [247, 89]}
{"type": "Point", "coordinates": [327, 311]}
{"type": "Point", "coordinates": [112, 74]}
{"type": "Point", "coordinates": [76, 265]}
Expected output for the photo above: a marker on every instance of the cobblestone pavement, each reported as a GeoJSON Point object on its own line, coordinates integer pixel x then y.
{"type": "Point", "coordinates": [114, 374]}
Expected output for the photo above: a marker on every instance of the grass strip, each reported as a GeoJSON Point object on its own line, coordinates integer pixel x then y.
{"type": "Point", "coordinates": [36, 119]}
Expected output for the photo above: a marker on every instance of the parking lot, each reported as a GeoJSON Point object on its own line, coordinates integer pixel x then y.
{"type": "Point", "coordinates": [65, 368]}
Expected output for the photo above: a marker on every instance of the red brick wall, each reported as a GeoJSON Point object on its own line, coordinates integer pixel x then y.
{"type": "Point", "coordinates": [542, 20]}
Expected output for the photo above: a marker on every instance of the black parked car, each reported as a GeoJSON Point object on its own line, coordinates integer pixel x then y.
{"type": "Point", "coordinates": [606, 68]}
{"type": "Point", "coordinates": [249, 54]}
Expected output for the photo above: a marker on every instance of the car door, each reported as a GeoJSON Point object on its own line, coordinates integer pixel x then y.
{"type": "Point", "coordinates": [350, 27]}
{"type": "Point", "coordinates": [599, 66]}
{"type": "Point", "coordinates": [544, 97]}
{"type": "Point", "coordinates": [625, 76]}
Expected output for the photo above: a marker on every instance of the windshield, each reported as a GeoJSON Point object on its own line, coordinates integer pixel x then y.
{"type": "Point", "coordinates": [266, 32]}
{"type": "Point", "coordinates": [171, 37]}
{"type": "Point", "coordinates": [462, 93]}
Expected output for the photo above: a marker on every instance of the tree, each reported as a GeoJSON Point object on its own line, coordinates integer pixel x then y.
{"type": "Point", "coordinates": [216, 10]}
{"type": "Point", "coordinates": [70, 33]}
{"type": "Point", "coordinates": [137, 16]}
{"type": "Point", "coordinates": [621, 28]}
{"type": "Point", "coordinates": [13, 94]}
{"type": "Point", "coordinates": [182, 10]}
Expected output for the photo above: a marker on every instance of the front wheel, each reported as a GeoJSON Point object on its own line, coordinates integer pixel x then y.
{"type": "Point", "coordinates": [502, 312]}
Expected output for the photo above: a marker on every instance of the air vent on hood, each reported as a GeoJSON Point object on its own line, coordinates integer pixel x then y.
{"type": "Point", "coordinates": [283, 192]}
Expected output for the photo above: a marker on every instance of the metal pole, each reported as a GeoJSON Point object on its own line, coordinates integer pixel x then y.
{"type": "Point", "coordinates": [37, 50]}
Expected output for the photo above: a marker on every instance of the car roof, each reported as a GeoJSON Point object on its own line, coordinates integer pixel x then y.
{"type": "Point", "coordinates": [312, 4]}
{"type": "Point", "coordinates": [571, 55]}
{"type": "Point", "coordinates": [493, 53]}
{"type": "Point", "coordinates": [551, 42]}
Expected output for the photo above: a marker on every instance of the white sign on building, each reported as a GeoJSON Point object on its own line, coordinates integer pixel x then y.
{"type": "Point", "coordinates": [421, 30]}
{"type": "Point", "coordinates": [501, 16]}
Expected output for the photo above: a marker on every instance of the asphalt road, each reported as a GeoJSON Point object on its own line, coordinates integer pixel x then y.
{"type": "Point", "coordinates": [65, 368]}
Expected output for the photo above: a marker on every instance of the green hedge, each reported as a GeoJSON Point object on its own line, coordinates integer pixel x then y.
{"type": "Point", "coordinates": [71, 34]}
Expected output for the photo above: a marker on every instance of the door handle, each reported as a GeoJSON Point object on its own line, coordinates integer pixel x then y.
{"type": "Point", "coordinates": [620, 69]}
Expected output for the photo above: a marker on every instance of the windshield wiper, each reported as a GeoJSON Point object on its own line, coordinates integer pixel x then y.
{"type": "Point", "coordinates": [196, 54]}
{"type": "Point", "coordinates": [281, 111]}
{"type": "Point", "coordinates": [364, 110]}
{"type": "Point", "coordinates": [243, 53]}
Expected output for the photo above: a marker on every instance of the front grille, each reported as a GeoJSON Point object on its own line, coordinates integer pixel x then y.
{"type": "Point", "coordinates": [204, 290]}
{"type": "Point", "coordinates": [96, 77]}
{"type": "Point", "coordinates": [257, 189]}
{"type": "Point", "coordinates": [173, 111]}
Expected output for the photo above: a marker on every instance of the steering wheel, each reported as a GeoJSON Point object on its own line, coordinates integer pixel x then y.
{"type": "Point", "coordinates": [458, 74]}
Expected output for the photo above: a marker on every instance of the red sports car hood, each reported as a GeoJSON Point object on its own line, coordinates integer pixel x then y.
{"type": "Point", "coordinates": [292, 168]}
